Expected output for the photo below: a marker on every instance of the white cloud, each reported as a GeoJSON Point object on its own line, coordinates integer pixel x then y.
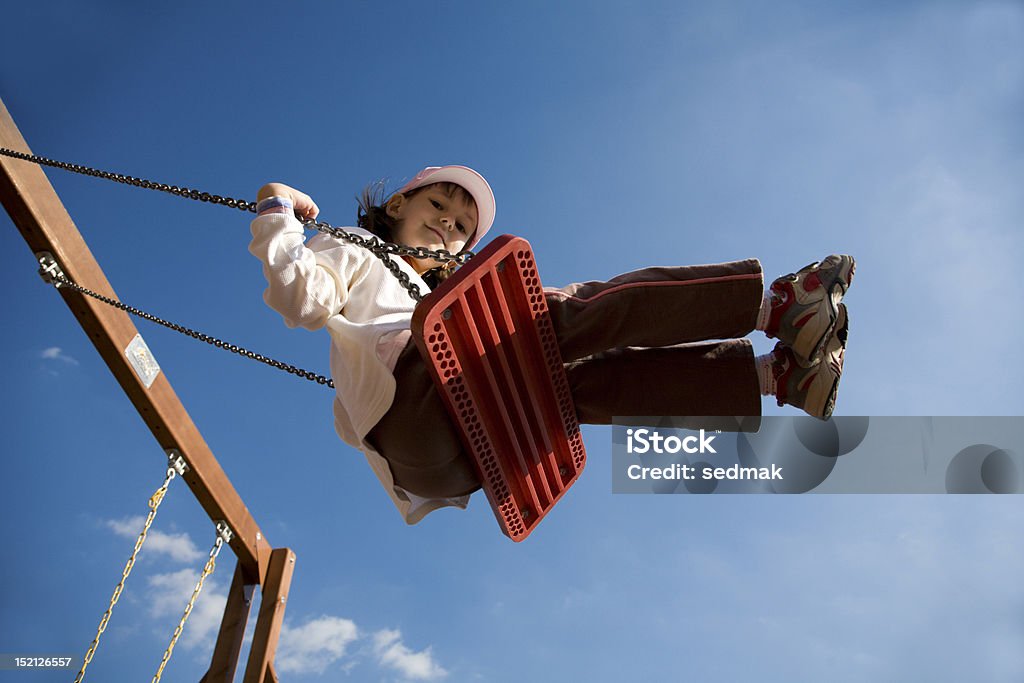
{"type": "Point", "coordinates": [392, 652]}
{"type": "Point", "coordinates": [56, 353]}
{"type": "Point", "coordinates": [170, 594]}
{"type": "Point", "coordinates": [321, 642]}
{"type": "Point", "coordinates": [178, 547]}
{"type": "Point", "coordinates": [314, 646]}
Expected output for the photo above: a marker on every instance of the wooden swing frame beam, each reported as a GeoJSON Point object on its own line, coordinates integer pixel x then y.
{"type": "Point", "coordinates": [44, 223]}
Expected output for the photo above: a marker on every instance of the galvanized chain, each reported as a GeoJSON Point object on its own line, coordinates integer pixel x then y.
{"type": "Point", "coordinates": [60, 280]}
{"type": "Point", "coordinates": [154, 504]}
{"type": "Point", "coordinates": [378, 247]}
{"type": "Point", "coordinates": [223, 535]}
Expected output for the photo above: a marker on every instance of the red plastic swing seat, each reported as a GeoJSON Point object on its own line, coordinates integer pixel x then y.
{"type": "Point", "coordinates": [486, 336]}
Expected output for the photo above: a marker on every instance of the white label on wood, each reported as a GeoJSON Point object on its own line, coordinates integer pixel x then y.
{"type": "Point", "coordinates": [142, 360]}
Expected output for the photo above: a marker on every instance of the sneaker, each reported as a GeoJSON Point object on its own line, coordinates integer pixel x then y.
{"type": "Point", "coordinates": [812, 387]}
{"type": "Point", "coordinates": [805, 304]}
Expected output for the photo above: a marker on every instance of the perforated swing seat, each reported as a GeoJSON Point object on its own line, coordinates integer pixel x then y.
{"type": "Point", "coordinates": [487, 339]}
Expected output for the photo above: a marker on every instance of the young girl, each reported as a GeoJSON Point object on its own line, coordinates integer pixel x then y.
{"type": "Point", "coordinates": [627, 343]}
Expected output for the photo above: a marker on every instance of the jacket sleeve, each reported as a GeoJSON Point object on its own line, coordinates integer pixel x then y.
{"type": "Point", "coordinates": [305, 288]}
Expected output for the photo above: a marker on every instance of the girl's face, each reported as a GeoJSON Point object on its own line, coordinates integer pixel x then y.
{"type": "Point", "coordinates": [435, 218]}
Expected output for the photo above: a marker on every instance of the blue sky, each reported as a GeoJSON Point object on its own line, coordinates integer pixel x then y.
{"type": "Point", "coordinates": [615, 136]}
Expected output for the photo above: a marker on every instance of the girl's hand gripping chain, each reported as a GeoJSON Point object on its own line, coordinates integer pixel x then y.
{"type": "Point", "coordinates": [302, 204]}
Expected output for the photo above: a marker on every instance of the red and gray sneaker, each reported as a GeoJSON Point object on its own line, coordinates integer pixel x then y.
{"type": "Point", "coordinates": [812, 387]}
{"type": "Point", "coordinates": [805, 304]}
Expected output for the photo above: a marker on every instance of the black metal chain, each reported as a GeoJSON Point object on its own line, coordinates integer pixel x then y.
{"type": "Point", "coordinates": [378, 247]}
{"type": "Point", "coordinates": [59, 280]}
{"type": "Point", "coordinates": [382, 249]}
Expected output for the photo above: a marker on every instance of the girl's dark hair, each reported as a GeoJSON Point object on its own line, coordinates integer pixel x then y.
{"type": "Point", "coordinates": [373, 217]}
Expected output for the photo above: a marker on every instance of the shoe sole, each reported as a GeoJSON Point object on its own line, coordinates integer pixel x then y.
{"type": "Point", "coordinates": [841, 330]}
{"type": "Point", "coordinates": [837, 290]}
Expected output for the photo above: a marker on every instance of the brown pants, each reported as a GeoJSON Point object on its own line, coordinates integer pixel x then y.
{"type": "Point", "coordinates": [627, 347]}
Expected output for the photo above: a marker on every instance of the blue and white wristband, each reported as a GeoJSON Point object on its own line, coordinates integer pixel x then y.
{"type": "Point", "coordinates": [275, 205]}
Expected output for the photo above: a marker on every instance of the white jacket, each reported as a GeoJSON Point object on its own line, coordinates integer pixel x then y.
{"type": "Point", "coordinates": [334, 284]}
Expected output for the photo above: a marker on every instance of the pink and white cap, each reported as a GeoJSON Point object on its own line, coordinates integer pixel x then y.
{"type": "Point", "coordinates": [469, 180]}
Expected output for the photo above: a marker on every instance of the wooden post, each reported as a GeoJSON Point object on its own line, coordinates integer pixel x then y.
{"type": "Point", "coordinates": [268, 626]}
{"type": "Point", "coordinates": [232, 631]}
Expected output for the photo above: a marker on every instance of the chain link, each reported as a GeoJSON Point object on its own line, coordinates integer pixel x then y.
{"type": "Point", "coordinates": [154, 504]}
{"type": "Point", "coordinates": [211, 564]}
{"type": "Point", "coordinates": [378, 247]}
{"type": "Point", "coordinates": [59, 280]}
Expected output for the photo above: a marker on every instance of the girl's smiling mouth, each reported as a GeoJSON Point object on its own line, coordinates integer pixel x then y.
{"type": "Point", "coordinates": [438, 233]}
